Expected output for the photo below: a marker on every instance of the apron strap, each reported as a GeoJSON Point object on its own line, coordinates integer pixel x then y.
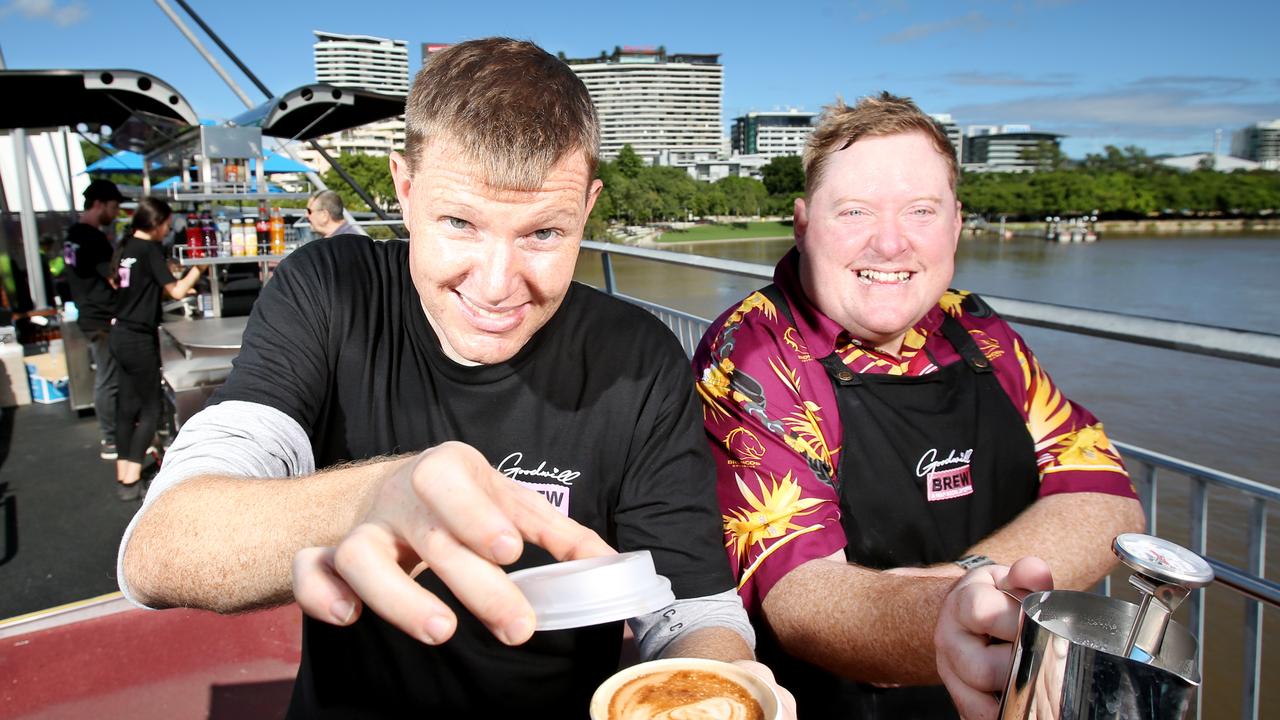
{"type": "Point", "coordinates": [839, 372]}
{"type": "Point", "coordinates": [963, 342]}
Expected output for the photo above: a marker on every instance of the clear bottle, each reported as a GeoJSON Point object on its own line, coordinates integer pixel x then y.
{"type": "Point", "coordinates": [224, 234]}
{"type": "Point", "coordinates": [237, 237]}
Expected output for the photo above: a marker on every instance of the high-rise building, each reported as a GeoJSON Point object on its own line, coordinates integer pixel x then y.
{"type": "Point", "coordinates": [771, 134]}
{"type": "Point", "coordinates": [1259, 142]}
{"type": "Point", "coordinates": [666, 106]}
{"type": "Point", "coordinates": [953, 133]}
{"type": "Point", "coordinates": [366, 63]}
{"type": "Point", "coordinates": [431, 48]}
{"type": "Point", "coordinates": [361, 61]}
{"type": "Point", "coordinates": [1008, 151]}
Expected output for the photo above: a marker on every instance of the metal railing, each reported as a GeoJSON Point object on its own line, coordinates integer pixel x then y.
{"type": "Point", "coordinates": [1146, 465]}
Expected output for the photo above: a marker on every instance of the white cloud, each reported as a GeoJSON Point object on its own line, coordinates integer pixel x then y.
{"type": "Point", "coordinates": [1139, 111]}
{"type": "Point", "coordinates": [974, 21]}
{"type": "Point", "coordinates": [61, 15]}
{"type": "Point", "coordinates": [976, 78]}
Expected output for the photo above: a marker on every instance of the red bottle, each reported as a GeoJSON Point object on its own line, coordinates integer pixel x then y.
{"type": "Point", "coordinates": [194, 235]}
{"type": "Point", "coordinates": [209, 236]}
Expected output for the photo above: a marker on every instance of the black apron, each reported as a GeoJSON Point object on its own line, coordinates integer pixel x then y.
{"type": "Point", "coordinates": [929, 466]}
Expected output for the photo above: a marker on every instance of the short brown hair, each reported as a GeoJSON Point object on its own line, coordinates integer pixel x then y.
{"type": "Point", "coordinates": [511, 107]}
{"type": "Point", "coordinates": [841, 126]}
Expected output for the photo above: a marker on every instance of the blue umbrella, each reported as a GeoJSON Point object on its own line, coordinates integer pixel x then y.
{"type": "Point", "coordinates": [124, 161]}
{"type": "Point", "coordinates": [277, 163]}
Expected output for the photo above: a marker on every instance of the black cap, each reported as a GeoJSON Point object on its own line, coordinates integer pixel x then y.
{"type": "Point", "coordinates": [103, 190]}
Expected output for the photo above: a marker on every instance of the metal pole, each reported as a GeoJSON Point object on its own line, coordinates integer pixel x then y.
{"type": "Point", "coordinates": [368, 199]}
{"type": "Point", "coordinates": [71, 192]}
{"type": "Point", "coordinates": [213, 62]}
{"type": "Point", "coordinates": [30, 234]}
{"type": "Point", "coordinates": [27, 217]}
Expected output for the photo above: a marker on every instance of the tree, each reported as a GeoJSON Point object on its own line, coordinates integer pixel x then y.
{"type": "Point", "coordinates": [784, 175]}
{"type": "Point", "coordinates": [1045, 155]}
{"type": "Point", "coordinates": [372, 172]}
{"type": "Point", "coordinates": [743, 196]}
{"type": "Point", "coordinates": [629, 163]}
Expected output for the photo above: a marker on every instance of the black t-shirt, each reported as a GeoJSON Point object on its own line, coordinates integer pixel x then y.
{"type": "Point", "coordinates": [596, 411]}
{"type": "Point", "coordinates": [87, 253]}
{"type": "Point", "coordinates": [143, 273]}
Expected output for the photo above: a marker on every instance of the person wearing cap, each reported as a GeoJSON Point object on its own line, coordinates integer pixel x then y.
{"type": "Point", "coordinates": [87, 254]}
{"type": "Point", "coordinates": [877, 435]}
{"type": "Point", "coordinates": [408, 421]}
{"type": "Point", "coordinates": [325, 213]}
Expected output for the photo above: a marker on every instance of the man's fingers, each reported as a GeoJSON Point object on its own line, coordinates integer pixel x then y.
{"type": "Point", "coordinates": [980, 666]}
{"type": "Point", "coordinates": [544, 526]}
{"type": "Point", "coordinates": [971, 704]}
{"type": "Point", "coordinates": [367, 560]}
{"type": "Point", "coordinates": [478, 584]}
{"type": "Point", "coordinates": [320, 591]}
{"type": "Point", "coordinates": [1030, 574]}
{"type": "Point", "coordinates": [983, 610]}
{"type": "Point", "coordinates": [457, 486]}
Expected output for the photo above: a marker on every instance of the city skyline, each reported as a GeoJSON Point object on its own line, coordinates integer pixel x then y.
{"type": "Point", "coordinates": [1171, 74]}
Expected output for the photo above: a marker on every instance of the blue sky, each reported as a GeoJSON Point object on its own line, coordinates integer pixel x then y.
{"type": "Point", "coordinates": [1160, 75]}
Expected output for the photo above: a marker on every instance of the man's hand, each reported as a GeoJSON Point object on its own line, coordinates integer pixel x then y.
{"type": "Point", "coordinates": [764, 673]}
{"type": "Point", "coordinates": [449, 511]}
{"type": "Point", "coordinates": [976, 616]}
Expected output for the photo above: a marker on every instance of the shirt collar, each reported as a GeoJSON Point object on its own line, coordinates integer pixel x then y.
{"type": "Point", "coordinates": [821, 334]}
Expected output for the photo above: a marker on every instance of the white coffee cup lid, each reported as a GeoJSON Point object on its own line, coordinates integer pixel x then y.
{"type": "Point", "coordinates": [597, 590]}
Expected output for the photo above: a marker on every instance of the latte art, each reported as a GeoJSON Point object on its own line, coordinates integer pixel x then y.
{"type": "Point", "coordinates": [683, 695]}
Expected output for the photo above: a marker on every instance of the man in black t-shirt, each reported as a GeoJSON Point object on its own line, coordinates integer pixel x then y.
{"type": "Point", "coordinates": [87, 253]}
{"type": "Point", "coordinates": [435, 413]}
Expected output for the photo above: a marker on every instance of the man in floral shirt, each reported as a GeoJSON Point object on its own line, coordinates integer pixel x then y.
{"type": "Point", "coordinates": [876, 434]}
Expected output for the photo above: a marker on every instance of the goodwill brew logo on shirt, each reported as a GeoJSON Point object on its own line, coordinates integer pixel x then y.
{"type": "Point", "coordinates": [125, 269]}
{"type": "Point", "coordinates": [947, 478]}
{"type": "Point", "coordinates": [550, 482]}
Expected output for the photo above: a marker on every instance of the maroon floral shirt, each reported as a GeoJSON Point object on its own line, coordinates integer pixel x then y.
{"type": "Point", "coordinates": [774, 442]}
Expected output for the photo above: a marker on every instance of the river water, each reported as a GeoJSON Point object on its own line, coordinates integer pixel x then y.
{"type": "Point", "coordinates": [1219, 413]}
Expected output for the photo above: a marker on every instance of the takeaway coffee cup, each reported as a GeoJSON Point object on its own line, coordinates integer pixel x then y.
{"type": "Point", "coordinates": [597, 590]}
{"type": "Point", "coordinates": [690, 688]}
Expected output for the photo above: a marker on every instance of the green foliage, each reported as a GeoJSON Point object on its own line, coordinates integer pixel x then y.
{"type": "Point", "coordinates": [629, 163]}
{"type": "Point", "coordinates": [784, 175]}
{"type": "Point", "coordinates": [1120, 184]}
{"type": "Point", "coordinates": [372, 172]}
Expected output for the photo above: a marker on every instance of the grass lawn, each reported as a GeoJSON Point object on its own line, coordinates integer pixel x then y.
{"type": "Point", "coordinates": [728, 232]}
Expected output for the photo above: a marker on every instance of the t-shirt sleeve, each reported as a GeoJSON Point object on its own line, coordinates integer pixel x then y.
{"type": "Point", "coordinates": [667, 502]}
{"type": "Point", "coordinates": [1073, 452]}
{"type": "Point", "coordinates": [774, 440]}
{"type": "Point", "coordinates": [284, 356]}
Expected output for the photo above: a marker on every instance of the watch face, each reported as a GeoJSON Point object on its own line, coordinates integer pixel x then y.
{"type": "Point", "coordinates": [1162, 559]}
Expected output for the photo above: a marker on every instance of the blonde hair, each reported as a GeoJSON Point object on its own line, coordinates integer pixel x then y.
{"type": "Point", "coordinates": [841, 126]}
{"type": "Point", "coordinates": [510, 107]}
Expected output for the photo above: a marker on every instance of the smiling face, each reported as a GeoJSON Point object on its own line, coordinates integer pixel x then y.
{"type": "Point", "coordinates": [491, 265]}
{"type": "Point", "coordinates": [877, 236]}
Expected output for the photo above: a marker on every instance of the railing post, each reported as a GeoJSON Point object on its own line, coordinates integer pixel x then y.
{"type": "Point", "coordinates": [1199, 540]}
{"type": "Point", "coordinates": [1153, 497]}
{"type": "Point", "coordinates": [606, 262]}
{"type": "Point", "coordinates": [1253, 611]}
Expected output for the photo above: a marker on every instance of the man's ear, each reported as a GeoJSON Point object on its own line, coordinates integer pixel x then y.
{"type": "Point", "coordinates": [402, 179]}
{"type": "Point", "coordinates": [800, 223]}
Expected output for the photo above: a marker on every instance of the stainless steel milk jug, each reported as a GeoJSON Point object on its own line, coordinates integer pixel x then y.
{"type": "Point", "coordinates": [1082, 655]}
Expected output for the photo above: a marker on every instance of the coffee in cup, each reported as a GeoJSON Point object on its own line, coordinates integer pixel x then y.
{"type": "Point", "coordinates": [684, 689]}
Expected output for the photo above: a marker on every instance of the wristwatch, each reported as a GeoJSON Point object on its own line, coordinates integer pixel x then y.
{"type": "Point", "coordinates": [969, 562]}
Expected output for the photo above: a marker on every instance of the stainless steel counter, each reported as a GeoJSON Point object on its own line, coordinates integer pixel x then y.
{"type": "Point", "coordinates": [196, 357]}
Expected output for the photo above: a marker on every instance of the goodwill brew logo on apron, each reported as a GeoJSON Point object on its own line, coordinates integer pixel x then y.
{"type": "Point", "coordinates": [947, 478]}
{"type": "Point", "coordinates": [550, 482]}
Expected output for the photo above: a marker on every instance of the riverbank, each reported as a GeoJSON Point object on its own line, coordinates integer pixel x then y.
{"type": "Point", "coordinates": [782, 230]}
{"type": "Point", "coordinates": [1163, 226]}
